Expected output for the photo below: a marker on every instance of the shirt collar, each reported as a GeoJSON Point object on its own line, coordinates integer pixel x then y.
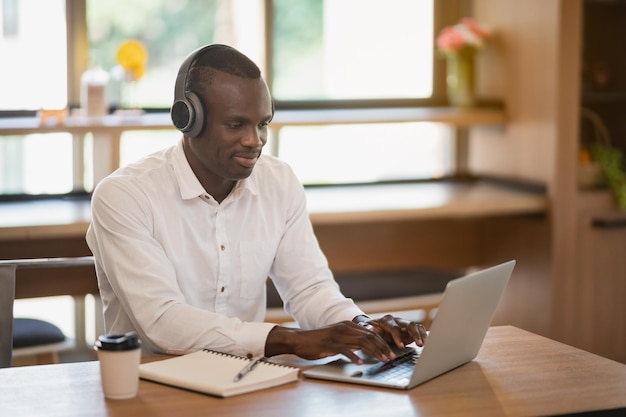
{"type": "Point", "coordinates": [189, 185]}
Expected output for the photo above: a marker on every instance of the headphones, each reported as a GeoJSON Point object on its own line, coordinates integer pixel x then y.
{"type": "Point", "coordinates": [187, 112]}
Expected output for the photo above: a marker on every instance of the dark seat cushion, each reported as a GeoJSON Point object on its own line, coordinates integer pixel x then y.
{"type": "Point", "coordinates": [33, 332]}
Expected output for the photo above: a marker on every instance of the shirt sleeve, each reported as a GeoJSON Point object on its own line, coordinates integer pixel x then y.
{"type": "Point", "coordinates": [301, 273]}
{"type": "Point", "coordinates": [139, 285]}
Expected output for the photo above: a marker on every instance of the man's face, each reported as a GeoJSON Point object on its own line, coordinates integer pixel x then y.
{"type": "Point", "coordinates": [238, 111]}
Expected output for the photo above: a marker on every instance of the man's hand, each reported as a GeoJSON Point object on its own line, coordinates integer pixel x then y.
{"type": "Point", "coordinates": [395, 330]}
{"type": "Point", "coordinates": [344, 338]}
{"type": "Point", "coordinates": [372, 337]}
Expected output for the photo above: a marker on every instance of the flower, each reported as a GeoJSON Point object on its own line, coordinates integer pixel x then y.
{"type": "Point", "coordinates": [465, 34]}
{"type": "Point", "coordinates": [132, 57]}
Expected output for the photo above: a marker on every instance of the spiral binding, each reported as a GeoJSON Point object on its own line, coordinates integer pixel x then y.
{"type": "Point", "coordinates": [230, 355]}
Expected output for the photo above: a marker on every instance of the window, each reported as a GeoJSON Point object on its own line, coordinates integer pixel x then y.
{"type": "Point", "coordinates": [352, 49]}
{"type": "Point", "coordinates": [34, 75]}
{"type": "Point", "coordinates": [34, 67]}
{"type": "Point", "coordinates": [36, 164]}
{"type": "Point", "coordinates": [169, 31]}
{"type": "Point", "coordinates": [315, 54]}
{"type": "Point", "coordinates": [353, 52]}
{"type": "Point", "coordinates": [360, 153]}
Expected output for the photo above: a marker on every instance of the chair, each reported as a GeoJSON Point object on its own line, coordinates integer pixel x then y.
{"type": "Point", "coordinates": [36, 338]}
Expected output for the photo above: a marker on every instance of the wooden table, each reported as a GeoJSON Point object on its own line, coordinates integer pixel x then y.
{"type": "Point", "coordinates": [516, 373]}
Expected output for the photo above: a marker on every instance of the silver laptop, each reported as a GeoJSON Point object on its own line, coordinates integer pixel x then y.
{"type": "Point", "coordinates": [458, 330]}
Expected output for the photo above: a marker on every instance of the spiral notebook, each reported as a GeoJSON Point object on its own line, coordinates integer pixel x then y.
{"type": "Point", "coordinates": [213, 373]}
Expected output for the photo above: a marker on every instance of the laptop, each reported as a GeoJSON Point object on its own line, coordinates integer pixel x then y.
{"type": "Point", "coordinates": [463, 317]}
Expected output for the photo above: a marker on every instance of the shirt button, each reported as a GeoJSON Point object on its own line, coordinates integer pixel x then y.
{"type": "Point", "coordinates": [223, 289]}
{"type": "Point", "coordinates": [222, 247]}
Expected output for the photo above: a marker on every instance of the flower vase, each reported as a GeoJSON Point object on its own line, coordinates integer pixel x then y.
{"type": "Point", "coordinates": [460, 78]}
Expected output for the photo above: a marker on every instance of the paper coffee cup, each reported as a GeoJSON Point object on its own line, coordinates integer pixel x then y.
{"type": "Point", "coordinates": [119, 356]}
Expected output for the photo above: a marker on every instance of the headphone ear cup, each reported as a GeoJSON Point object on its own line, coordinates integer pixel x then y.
{"type": "Point", "coordinates": [196, 125]}
{"type": "Point", "coordinates": [182, 115]}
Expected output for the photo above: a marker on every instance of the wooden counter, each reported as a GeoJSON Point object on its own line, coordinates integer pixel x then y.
{"type": "Point", "coordinates": [327, 205]}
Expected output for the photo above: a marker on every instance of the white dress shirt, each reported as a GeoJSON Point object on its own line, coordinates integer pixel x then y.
{"type": "Point", "coordinates": [186, 272]}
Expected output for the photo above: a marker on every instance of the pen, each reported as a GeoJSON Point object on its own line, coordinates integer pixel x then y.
{"type": "Point", "coordinates": [249, 367]}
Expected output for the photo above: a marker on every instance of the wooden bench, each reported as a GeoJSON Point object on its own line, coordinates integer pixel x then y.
{"type": "Point", "coordinates": [411, 294]}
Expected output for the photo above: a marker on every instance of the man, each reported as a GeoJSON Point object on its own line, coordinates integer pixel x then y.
{"type": "Point", "coordinates": [185, 239]}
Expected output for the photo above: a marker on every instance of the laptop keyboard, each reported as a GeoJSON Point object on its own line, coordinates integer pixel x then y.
{"type": "Point", "coordinates": [394, 370]}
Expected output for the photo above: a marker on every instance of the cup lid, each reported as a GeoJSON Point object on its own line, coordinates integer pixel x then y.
{"type": "Point", "coordinates": [127, 341]}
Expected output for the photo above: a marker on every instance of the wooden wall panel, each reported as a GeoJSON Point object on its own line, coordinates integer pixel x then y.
{"type": "Point", "coordinates": [438, 244]}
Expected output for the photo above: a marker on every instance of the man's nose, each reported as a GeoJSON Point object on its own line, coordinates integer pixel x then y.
{"type": "Point", "coordinates": [254, 138]}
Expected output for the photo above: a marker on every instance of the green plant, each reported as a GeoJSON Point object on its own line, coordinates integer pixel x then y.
{"type": "Point", "coordinates": [610, 160]}
{"type": "Point", "coordinates": [608, 157]}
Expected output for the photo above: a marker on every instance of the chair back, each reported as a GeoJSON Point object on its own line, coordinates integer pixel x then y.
{"type": "Point", "coordinates": [8, 270]}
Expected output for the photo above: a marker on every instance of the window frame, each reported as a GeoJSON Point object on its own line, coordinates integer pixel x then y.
{"type": "Point", "coordinates": [78, 59]}
{"type": "Point", "coordinates": [443, 16]}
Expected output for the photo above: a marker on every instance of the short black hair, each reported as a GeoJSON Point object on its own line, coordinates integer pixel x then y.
{"type": "Point", "coordinates": [222, 58]}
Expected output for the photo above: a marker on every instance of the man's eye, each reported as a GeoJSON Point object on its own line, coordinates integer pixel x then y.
{"type": "Point", "coordinates": [234, 125]}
